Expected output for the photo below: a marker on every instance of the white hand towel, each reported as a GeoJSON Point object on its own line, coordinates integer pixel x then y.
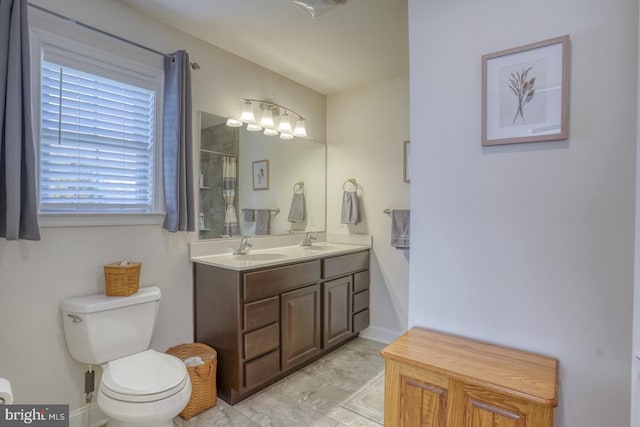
{"type": "Point", "coordinates": [263, 217]}
{"type": "Point", "coordinates": [350, 208]}
{"type": "Point", "coordinates": [296, 211]}
{"type": "Point", "coordinates": [400, 221]}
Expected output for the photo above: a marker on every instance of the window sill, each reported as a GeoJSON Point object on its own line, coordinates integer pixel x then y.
{"type": "Point", "coordinates": [97, 219]}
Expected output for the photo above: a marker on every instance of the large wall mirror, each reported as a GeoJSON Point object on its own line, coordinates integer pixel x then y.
{"type": "Point", "coordinates": [252, 184]}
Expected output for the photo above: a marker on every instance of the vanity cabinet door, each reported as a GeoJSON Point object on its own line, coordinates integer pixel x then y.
{"type": "Point", "coordinates": [300, 320]}
{"type": "Point", "coordinates": [336, 296]}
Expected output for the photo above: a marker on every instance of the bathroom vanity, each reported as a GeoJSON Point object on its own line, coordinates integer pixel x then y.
{"type": "Point", "coordinates": [270, 313]}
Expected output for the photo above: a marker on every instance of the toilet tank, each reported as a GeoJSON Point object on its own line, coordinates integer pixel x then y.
{"type": "Point", "coordinates": [99, 328]}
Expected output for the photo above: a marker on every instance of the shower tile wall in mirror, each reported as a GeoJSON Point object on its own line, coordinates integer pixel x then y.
{"type": "Point", "coordinates": [229, 205]}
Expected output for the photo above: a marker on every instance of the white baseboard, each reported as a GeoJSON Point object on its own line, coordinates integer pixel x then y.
{"type": "Point", "coordinates": [380, 334]}
{"type": "Point", "coordinates": [97, 418]}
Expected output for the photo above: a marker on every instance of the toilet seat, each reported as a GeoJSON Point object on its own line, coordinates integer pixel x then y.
{"type": "Point", "coordinates": [144, 377]}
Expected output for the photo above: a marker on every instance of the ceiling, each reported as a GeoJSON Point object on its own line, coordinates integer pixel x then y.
{"type": "Point", "coordinates": [358, 43]}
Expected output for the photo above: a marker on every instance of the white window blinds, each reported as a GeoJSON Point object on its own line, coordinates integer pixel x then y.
{"type": "Point", "coordinates": [96, 143]}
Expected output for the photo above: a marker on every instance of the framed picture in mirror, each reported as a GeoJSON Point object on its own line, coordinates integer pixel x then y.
{"type": "Point", "coordinates": [261, 175]}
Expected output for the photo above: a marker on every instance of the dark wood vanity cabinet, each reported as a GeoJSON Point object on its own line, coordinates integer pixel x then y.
{"type": "Point", "coordinates": [336, 295]}
{"type": "Point", "coordinates": [267, 322]}
{"type": "Point", "coordinates": [300, 314]}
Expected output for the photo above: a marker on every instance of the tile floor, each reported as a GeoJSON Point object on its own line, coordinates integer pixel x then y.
{"type": "Point", "coordinates": [308, 397]}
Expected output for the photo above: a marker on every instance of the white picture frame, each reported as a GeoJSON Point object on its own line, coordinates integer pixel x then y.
{"type": "Point", "coordinates": [261, 175]}
{"type": "Point", "coordinates": [525, 93]}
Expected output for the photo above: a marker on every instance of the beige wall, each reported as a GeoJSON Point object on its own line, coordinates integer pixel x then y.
{"type": "Point", "coordinates": [366, 128]}
{"type": "Point", "coordinates": [36, 276]}
{"type": "Point", "coordinates": [529, 245]}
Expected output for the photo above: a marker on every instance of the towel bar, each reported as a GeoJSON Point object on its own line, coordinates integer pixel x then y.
{"type": "Point", "coordinates": [276, 210]}
{"type": "Point", "coordinates": [352, 181]}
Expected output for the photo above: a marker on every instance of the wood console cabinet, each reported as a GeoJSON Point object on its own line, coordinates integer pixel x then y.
{"type": "Point", "coordinates": [267, 322]}
{"type": "Point", "coordinates": [436, 379]}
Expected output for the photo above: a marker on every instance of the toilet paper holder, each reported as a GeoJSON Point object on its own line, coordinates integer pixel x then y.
{"type": "Point", "coordinates": [6, 396]}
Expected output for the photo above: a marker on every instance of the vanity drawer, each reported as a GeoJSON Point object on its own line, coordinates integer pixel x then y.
{"type": "Point", "coordinates": [258, 371]}
{"type": "Point", "coordinates": [361, 281]}
{"type": "Point", "coordinates": [360, 301]}
{"type": "Point", "coordinates": [271, 281]}
{"type": "Point", "coordinates": [260, 313]}
{"type": "Point", "coordinates": [344, 264]}
{"type": "Point", "coordinates": [261, 341]}
{"type": "Point", "coordinates": [360, 321]}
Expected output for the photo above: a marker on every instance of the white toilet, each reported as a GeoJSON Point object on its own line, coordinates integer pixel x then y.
{"type": "Point", "coordinates": [139, 387]}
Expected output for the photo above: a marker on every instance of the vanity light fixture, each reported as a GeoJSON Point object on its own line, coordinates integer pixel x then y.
{"type": "Point", "coordinates": [285, 124]}
{"type": "Point", "coordinates": [267, 118]}
{"type": "Point", "coordinates": [269, 112]}
{"type": "Point", "coordinates": [248, 115]}
{"type": "Point", "coordinates": [233, 123]}
{"type": "Point", "coordinates": [316, 8]}
{"type": "Point", "coordinates": [300, 129]}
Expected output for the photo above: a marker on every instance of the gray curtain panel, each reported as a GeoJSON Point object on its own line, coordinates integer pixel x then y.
{"type": "Point", "coordinates": [177, 144]}
{"type": "Point", "coordinates": [18, 190]}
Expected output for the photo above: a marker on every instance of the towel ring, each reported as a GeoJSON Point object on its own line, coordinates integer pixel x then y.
{"type": "Point", "coordinates": [298, 187]}
{"type": "Point", "coordinates": [352, 181]}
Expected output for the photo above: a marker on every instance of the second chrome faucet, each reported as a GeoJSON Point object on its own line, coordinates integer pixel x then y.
{"type": "Point", "coordinates": [243, 247]}
{"type": "Point", "coordinates": [308, 238]}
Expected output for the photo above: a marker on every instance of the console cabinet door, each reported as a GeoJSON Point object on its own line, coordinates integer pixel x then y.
{"type": "Point", "coordinates": [472, 405]}
{"type": "Point", "coordinates": [415, 398]}
{"type": "Point", "coordinates": [336, 297]}
{"type": "Point", "coordinates": [300, 320]}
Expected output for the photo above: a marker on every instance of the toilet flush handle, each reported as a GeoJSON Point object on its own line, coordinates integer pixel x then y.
{"type": "Point", "coordinates": [75, 318]}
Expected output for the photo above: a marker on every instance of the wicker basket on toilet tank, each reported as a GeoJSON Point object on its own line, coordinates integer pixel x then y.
{"type": "Point", "coordinates": [122, 280]}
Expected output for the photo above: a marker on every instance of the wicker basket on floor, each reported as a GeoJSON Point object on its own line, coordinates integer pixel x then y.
{"type": "Point", "coordinates": [203, 377]}
{"type": "Point", "coordinates": [122, 280]}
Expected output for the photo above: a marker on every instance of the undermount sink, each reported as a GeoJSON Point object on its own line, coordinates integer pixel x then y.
{"type": "Point", "coordinates": [319, 247]}
{"type": "Point", "coordinates": [259, 257]}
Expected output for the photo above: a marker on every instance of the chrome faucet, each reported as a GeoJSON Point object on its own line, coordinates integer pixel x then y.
{"type": "Point", "coordinates": [243, 247]}
{"type": "Point", "coordinates": [308, 238]}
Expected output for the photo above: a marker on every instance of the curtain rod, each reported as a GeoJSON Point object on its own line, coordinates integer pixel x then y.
{"type": "Point", "coordinates": [194, 65]}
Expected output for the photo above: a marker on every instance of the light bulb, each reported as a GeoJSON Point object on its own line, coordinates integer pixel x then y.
{"type": "Point", "coordinates": [300, 129]}
{"type": "Point", "coordinates": [285, 124]}
{"type": "Point", "coordinates": [267, 118]}
{"type": "Point", "coordinates": [233, 123]}
{"type": "Point", "coordinates": [285, 135]}
{"type": "Point", "coordinates": [252, 127]}
{"type": "Point", "coordinates": [270, 132]}
{"type": "Point", "coordinates": [248, 116]}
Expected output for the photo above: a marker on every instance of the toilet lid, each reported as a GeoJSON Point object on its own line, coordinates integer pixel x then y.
{"type": "Point", "coordinates": [144, 376]}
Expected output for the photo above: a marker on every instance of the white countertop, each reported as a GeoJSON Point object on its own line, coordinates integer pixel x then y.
{"type": "Point", "coordinates": [278, 255]}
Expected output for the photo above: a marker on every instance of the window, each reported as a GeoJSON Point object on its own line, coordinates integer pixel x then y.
{"type": "Point", "coordinates": [98, 126]}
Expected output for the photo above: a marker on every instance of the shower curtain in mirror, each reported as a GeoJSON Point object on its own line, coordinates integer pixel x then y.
{"type": "Point", "coordinates": [18, 194]}
{"type": "Point", "coordinates": [229, 180]}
